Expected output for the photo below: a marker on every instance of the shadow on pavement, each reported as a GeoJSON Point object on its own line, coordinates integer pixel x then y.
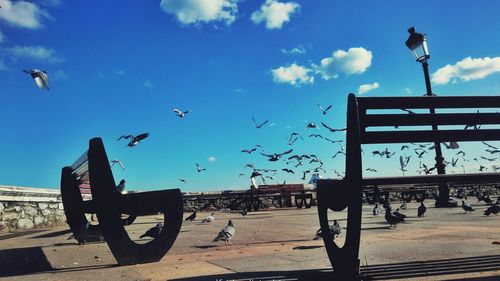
{"type": "Point", "coordinates": [21, 261]}
{"type": "Point", "coordinates": [52, 234]}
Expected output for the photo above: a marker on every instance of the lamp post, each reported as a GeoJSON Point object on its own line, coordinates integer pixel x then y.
{"type": "Point", "coordinates": [418, 45]}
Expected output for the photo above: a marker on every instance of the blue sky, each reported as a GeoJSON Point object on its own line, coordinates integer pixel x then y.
{"type": "Point", "coordinates": [120, 67]}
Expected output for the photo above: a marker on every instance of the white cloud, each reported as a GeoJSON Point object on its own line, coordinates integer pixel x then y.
{"type": "Point", "coordinates": [274, 13]}
{"type": "Point", "coordinates": [37, 53]}
{"type": "Point", "coordinates": [295, 51]}
{"type": "Point", "coordinates": [120, 72]}
{"type": "Point", "coordinates": [408, 91]}
{"type": "Point", "coordinates": [53, 3]}
{"type": "Point", "coordinates": [354, 61]}
{"type": "Point", "coordinates": [201, 11]}
{"type": "Point", "coordinates": [22, 14]}
{"type": "Point", "coordinates": [466, 70]}
{"type": "Point", "coordinates": [60, 75]}
{"type": "Point", "coordinates": [294, 75]}
{"type": "Point", "coordinates": [148, 84]}
{"type": "Point", "coordinates": [2, 37]}
{"type": "Point", "coordinates": [211, 159]}
{"type": "Point", "coordinates": [365, 88]}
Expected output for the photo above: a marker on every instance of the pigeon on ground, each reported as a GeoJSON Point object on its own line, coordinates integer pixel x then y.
{"type": "Point", "coordinates": [399, 214]}
{"type": "Point", "coordinates": [191, 217]}
{"type": "Point", "coordinates": [40, 77]}
{"type": "Point", "coordinates": [335, 230]}
{"type": "Point", "coordinates": [392, 219]}
{"type": "Point", "coordinates": [403, 206]}
{"type": "Point", "coordinates": [134, 140]}
{"type": "Point", "coordinates": [376, 210]}
{"type": "Point", "coordinates": [121, 186]}
{"type": "Point", "coordinates": [116, 161]}
{"type": "Point", "coordinates": [498, 201]}
{"type": "Point", "coordinates": [243, 213]}
{"type": "Point", "coordinates": [226, 233]}
{"type": "Point", "coordinates": [153, 232]}
{"type": "Point", "coordinates": [467, 207]}
{"type": "Point", "coordinates": [421, 210]}
{"type": "Point", "coordinates": [487, 199]}
{"type": "Point", "coordinates": [208, 219]}
{"type": "Point", "coordinates": [180, 113]}
{"type": "Point", "coordinates": [495, 209]}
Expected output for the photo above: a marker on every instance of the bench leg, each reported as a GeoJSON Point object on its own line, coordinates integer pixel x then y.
{"type": "Point", "coordinates": [344, 260]}
{"type": "Point", "coordinates": [110, 205]}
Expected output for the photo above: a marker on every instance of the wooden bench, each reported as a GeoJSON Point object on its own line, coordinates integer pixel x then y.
{"type": "Point", "coordinates": [336, 195]}
{"type": "Point", "coordinates": [92, 172]}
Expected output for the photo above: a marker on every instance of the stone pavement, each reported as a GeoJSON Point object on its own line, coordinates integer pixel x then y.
{"type": "Point", "coordinates": [273, 245]}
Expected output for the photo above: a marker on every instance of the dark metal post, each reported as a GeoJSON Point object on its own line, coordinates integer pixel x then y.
{"type": "Point", "coordinates": [444, 192]}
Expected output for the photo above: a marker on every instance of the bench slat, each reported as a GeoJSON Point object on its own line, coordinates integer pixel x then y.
{"type": "Point", "coordinates": [371, 120]}
{"type": "Point", "coordinates": [475, 177]}
{"type": "Point", "coordinates": [429, 136]}
{"type": "Point", "coordinates": [428, 102]}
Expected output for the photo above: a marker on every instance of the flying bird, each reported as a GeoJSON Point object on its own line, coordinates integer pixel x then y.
{"type": "Point", "coordinates": [258, 126]}
{"type": "Point", "coordinates": [489, 159]}
{"type": "Point", "coordinates": [407, 110]}
{"type": "Point", "coordinates": [40, 77]}
{"type": "Point", "coordinates": [249, 150]}
{"type": "Point", "coordinates": [332, 129]}
{"type": "Point", "coordinates": [276, 156]}
{"type": "Point", "coordinates": [180, 113]}
{"type": "Point", "coordinates": [288, 171]}
{"type": "Point", "coordinates": [134, 140]}
{"type": "Point", "coordinates": [489, 145]}
{"type": "Point", "coordinates": [191, 217]}
{"type": "Point", "coordinates": [199, 169]}
{"type": "Point", "coordinates": [208, 219]}
{"type": "Point", "coordinates": [226, 233]}
{"type": "Point", "coordinates": [116, 161]}
{"type": "Point", "coordinates": [183, 181]}
{"type": "Point", "coordinates": [371, 170]}
{"type": "Point", "coordinates": [311, 125]}
{"type": "Point", "coordinates": [153, 232]}
{"type": "Point", "coordinates": [323, 110]}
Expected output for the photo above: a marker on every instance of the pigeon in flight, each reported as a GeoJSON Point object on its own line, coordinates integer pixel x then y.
{"type": "Point", "coordinates": [191, 217]}
{"type": "Point", "coordinates": [116, 161]}
{"type": "Point", "coordinates": [183, 181]}
{"type": "Point", "coordinates": [276, 156]}
{"type": "Point", "coordinates": [489, 145]}
{"type": "Point", "coordinates": [335, 230]}
{"type": "Point", "coordinates": [371, 170]}
{"type": "Point", "coordinates": [324, 110]}
{"type": "Point", "coordinates": [134, 140]}
{"type": "Point", "coordinates": [407, 110]}
{"type": "Point", "coordinates": [153, 232]}
{"type": "Point", "coordinates": [180, 113]}
{"type": "Point", "coordinates": [467, 207]}
{"type": "Point", "coordinates": [332, 129]}
{"type": "Point", "coordinates": [494, 209]}
{"type": "Point", "coordinates": [121, 186]}
{"type": "Point", "coordinates": [226, 233]}
{"type": "Point", "coordinates": [258, 126]}
{"type": "Point", "coordinates": [200, 169]}
{"type": "Point", "coordinates": [208, 219]}
{"type": "Point", "coordinates": [489, 159]}
{"type": "Point", "coordinates": [249, 150]}
{"type": "Point", "coordinates": [288, 171]}
{"type": "Point", "coordinates": [421, 210]}
{"type": "Point", "coordinates": [40, 77]}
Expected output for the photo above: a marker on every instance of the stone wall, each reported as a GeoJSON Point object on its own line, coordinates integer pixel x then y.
{"type": "Point", "coordinates": [25, 208]}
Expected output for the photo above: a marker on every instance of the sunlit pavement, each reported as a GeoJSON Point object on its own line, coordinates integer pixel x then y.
{"type": "Point", "coordinates": [274, 244]}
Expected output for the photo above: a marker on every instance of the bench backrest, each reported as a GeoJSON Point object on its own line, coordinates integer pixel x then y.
{"type": "Point", "coordinates": [81, 170]}
{"type": "Point", "coordinates": [363, 127]}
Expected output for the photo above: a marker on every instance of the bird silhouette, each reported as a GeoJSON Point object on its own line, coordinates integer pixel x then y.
{"type": "Point", "coordinates": [332, 129]}
{"type": "Point", "coordinates": [191, 217]}
{"type": "Point", "coordinates": [179, 113]}
{"type": "Point", "coordinates": [249, 150]}
{"type": "Point", "coordinates": [183, 181]}
{"type": "Point", "coordinates": [199, 169]}
{"type": "Point", "coordinates": [288, 171]}
{"type": "Point", "coordinates": [311, 125]}
{"type": "Point", "coordinates": [258, 126]}
{"type": "Point", "coordinates": [421, 210]}
{"type": "Point", "coordinates": [276, 156]}
{"type": "Point", "coordinates": [134, 140]}
{"type": "Point", "coordinates": [323, 110]}
{"type": "Point", "coordinates": [116, 161]}
{"type": "Point", "coordinates": [153, 232]}
{"type": "Point", "coordinates": [40, 77]}
{"type": "Point", "coordinates": [226, 233]}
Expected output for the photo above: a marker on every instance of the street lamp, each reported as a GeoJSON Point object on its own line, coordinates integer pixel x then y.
{"type": "Point", "coordinates": [417, 43]}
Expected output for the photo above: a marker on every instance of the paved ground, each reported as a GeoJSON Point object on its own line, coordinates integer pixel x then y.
{"type": "Point", "coordinates": [273, 245]}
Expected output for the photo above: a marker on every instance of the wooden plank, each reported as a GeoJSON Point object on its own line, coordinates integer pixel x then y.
{"type": "Point", "coordinates": [429, 136]}
{"type": "Point", "coordinates": [371, 120]}
{"type": "Point", "coordinates": [457, 178]}
{"type": "Point", "coordinates": [429, 102]}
